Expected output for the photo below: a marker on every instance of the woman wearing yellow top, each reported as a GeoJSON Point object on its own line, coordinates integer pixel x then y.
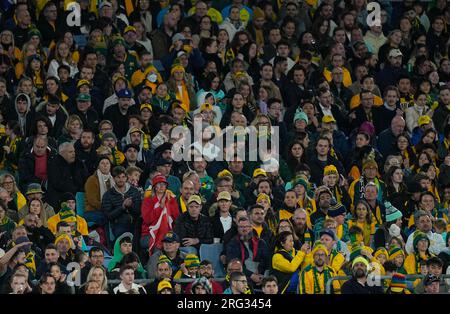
{"type": "Point", "coordinates": [286, 261]}
{"type": "Point", "coordinates": [35, 71]}
{"type": "Point", "coordinates": [404, 148]}
{"type": "Point", "coordinates": [28, 50]}
{"type": "Point", "coordinates": [363, 219]}
{"type": "Point", "coordinates": [421, 244]}
{"type": "Point", "coordinates": [304, 201]}
{"type": "Point", "coordinates": [73, 47]}
{"type": "Point", "coordinates": [8, 46]}
{"type": "Point", "coordinates": [182, 86]}
{"type": "Point", "coordinates": [52, 87]}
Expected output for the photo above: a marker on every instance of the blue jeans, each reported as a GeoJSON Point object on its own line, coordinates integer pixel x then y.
{"type": "Point", "coordinates": [97, 217]}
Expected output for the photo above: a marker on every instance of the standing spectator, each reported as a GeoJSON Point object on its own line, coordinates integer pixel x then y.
{"type": "Point", "coordinates": [121, 203]}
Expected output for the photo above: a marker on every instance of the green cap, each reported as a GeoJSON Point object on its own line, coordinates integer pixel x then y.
{"type": "Point", "coordinates": [84, 97]}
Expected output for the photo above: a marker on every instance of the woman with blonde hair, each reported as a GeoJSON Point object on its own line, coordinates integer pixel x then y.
{"type": "Point", "coordinates": [61, 55]}
{"type": "Point", "coordinates": [8, 182]}
{"type": "Point", "coordinates": [36, 207]}
{"type": "Point", "coordinates": [98, 274]}
{"type": "Point", "coordinates": [72, 129]}
{"type": "Point", "coordinates": [8, 47]}
{"type": "Point", "coordinates": [28, 50]}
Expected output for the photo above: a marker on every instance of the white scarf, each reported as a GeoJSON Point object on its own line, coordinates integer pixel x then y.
{"type": "Point", "coordinates": [102, 178]}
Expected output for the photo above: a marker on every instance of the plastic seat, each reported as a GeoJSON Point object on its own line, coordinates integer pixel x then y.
{"type": "Point", "coordinates": [211, 252]}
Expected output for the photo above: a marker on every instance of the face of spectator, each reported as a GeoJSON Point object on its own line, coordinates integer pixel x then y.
{"type": "Point", "coordinates": [370, 172]}
{"type": "Point", "coordinates": [397, 126]}
{"type": "Point", "coordinates": [127, 277]}
{"type": "Point", "coordinates": [322, 147]}
{"type": "Point", "coordinates": [324, 200]}
{"type": "Point", "coordinates": [433, 288]}
{"type": "Point", "coordinates": [51, 256]}
{"type": "Point", "coordinates": [257, 216]}
{"type": "Point", "coordinates": [206, 271]}
{"type": "Point", "coordinates": [48, 286]}
{"type": "Point", "coordinates": [69, 154]}
{"type": "Point", "coordinates": [424, 224]}
{"type": "Point", "coordinates": [164, 271]}
{"type": "Point", "coordinates": [63, 246]}
{"type": "Point", "coordinates": [320, 258]}
{"type": "Point", "coordinates": [371, 193]}
{"type": "Point", "coordinates": [240, 285]}
{"type": "Point", "coordinates": [194, 210]}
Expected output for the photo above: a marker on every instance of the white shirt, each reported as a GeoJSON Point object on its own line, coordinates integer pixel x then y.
{"type": "Point", "coordinates": [121, 288]}
{"type": "Point", "coordinates": [437, 244]}
{"type": "Point", "coordinates": [226, 223]}
{"type": "Point", "coordinates": [326, 111]}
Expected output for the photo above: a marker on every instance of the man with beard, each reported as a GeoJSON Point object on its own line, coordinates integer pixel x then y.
{"type": "Point", "coordinates": [301, 229]}
{"type": "Point", "coordinates": [358, 283]}
{"type": "Point", "coordinates": [323, 201]}
{"type": "Point", "coordinates": [247, 247]}
{"type": "Point", "coordinates": [36, 232]}
{"type": "Point", "coordinates": [85, 152]}
{"type": "Point", "coordinates": [314, 277]}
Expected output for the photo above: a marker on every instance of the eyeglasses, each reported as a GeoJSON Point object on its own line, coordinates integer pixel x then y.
{"type": "Point", "coordinates": [7, 182]}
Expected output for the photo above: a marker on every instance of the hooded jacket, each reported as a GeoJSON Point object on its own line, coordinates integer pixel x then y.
{"type": "Point", "coordinates": [25, 121]}
{"type": "Point", "coordinates": [144, 153]}
{"type": "Point", "coordinates": [118, 255]}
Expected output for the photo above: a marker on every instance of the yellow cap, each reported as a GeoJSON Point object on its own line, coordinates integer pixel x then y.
{"type": "Point", "coordinates": [259, 172]}
{"type": "Point", "coordinates": [263, 196]}
{"type": "Point", "coordinates": [206, 106]}
{"type": "Point", "coordinates": [164, 284]}
{"type": "Point", "coordinates": [129, 29]}
{"type": "Point", "coordinates": [148, 106]}
{"type": "Point", "coordinates": [330, 169]}
{"type": "Point", "coordinates": [83, 82]}
{"type": "Point", "coordinates": [224, 173]}
{"type": "Point", "coordinates": [224, 195]}
{"type": "Point", "coordinates": [328, 119]}
{"type": "Point", "coordinates": [195, 198]}
{"type": "Point", "coordinates": [424, 120]}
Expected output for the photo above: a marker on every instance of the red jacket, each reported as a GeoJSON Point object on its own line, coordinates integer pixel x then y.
{"type": "Point", "coordinates": [216, 288]}
{"type": "Point", "coordinates": [161, 223]}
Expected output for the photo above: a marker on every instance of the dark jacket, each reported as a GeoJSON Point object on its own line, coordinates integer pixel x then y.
{"type": "Point", "coordinates": [352, 286]}
{"type": "Point", "coordinates": [88, 160]}
{"type": "Point", "coordinates": [388, 76]}
{"type": "Point", "coordinates": [26, 168]}
{"type": "Point", "coordinates": [90, 118]}
{"type": "Point", "coordinates": [386, 143]}
{"type": "Point", "coordinates": [112, 205]}
{"type": "Point", "coordinates": [340, 120]}
{"type": "Point", "coordinates": [261, 254]}
{"type": "Point", "coordinates": [317, 167]}
{"type": "Point", "coordinates": [63, 177]}
{"type": "Point", "coordinates": [61, 117]}
{"type": "Point", "coordinates": [119, 121]}
{"type": "Point", "coordinates": [186, 227]}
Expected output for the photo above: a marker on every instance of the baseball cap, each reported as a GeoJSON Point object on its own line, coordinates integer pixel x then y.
{"type": "Point", "coordinates": [84, 97]}
{"type": "Point", "coordinates": [129, 29]}
{"type": "Point", "coordinates": [128, 146]}
{"type": "Point", "coordinates": [395, 53]}
{"type": "Point", "coordinates": [146, 105]}
{"type": "Point", "coordinates": [424, 120]}
{"type": "Point", "coordinates": [429, 279]}
{"type": "Point", "coordinates": [328, 119]}
{"type": "Point", "coordinates": [178, 36]}
{"type": "Point", "coordinates": [124, 93]}
{"type": "Point", "coordinates": [164, 284]}
{"type": "Point", "coordinates": [259, 172]}
{"type": "Point", "coordinates": [83, 82]}
{"type": "Point", "coordinates": [105, 4]}
{"type": "Point", "coordinates": [224, 195]}
{"type": "Point", "coordinates": [196, 199]}
{"type": "Point", "coordinates": [171, 237]}
{"type": "Point", "coordinates": [328, 232]}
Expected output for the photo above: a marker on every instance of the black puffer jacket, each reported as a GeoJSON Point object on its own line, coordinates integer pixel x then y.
{"type": "Point", "coordinates": [112, 205]}
{"type": "Point", "coordinates": [186, 227]}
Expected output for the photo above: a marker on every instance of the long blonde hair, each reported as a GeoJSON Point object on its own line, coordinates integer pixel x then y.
{"type": "Point", "coordinates": [104, 286]}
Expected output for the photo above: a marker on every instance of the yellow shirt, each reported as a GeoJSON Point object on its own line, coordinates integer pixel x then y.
{"type": "Point", "coordinates": [307, 281]}
{"type": "Point", "coordinates": [347, 81]}
{"type": "Point", "coordinates": [356, 101]}
{"type": "Point", "coordinates": [82, 227]}
{"type": "Point", "coordinates": [258, 230]}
